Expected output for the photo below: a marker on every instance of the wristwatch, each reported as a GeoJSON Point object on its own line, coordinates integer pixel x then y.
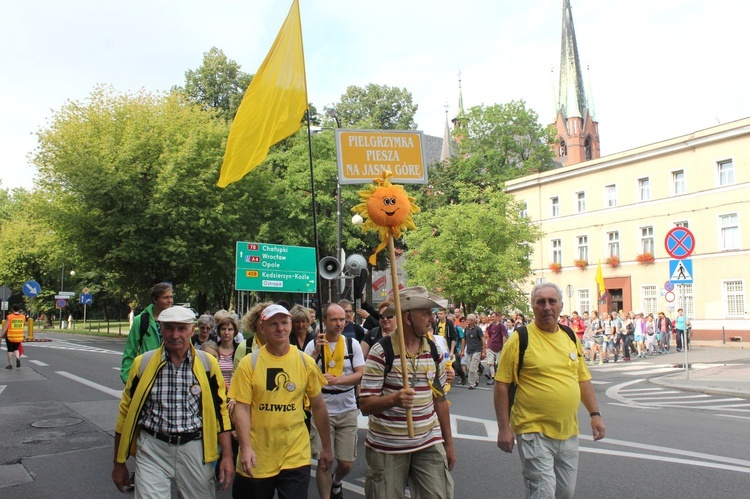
{"type": "Point", "coordinates": [595, 413]}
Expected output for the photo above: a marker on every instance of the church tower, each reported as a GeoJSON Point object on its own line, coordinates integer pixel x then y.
{"type": "Point", "coordinates": [577, 130]}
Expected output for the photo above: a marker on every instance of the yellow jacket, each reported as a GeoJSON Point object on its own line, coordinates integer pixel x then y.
{"type": "Point", "coordinates": [214, 412]}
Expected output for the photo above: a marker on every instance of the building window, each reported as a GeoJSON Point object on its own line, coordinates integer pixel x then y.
{"type": "Point", "coordinates": [682, 223]}
{"type": "Point", "coordinates": [524, 211]}
{"type": "Point", "coordinates": [647, 240]}
{"type": "Point", "coordinates": [584, 302]}
{"type": "Point", "coordinates": [610, 195]}
{"type": "Point", "coordinates": [583, 248]}
{"type": "Point", "coordinates": [678, 182]}
{"type": "Point", "coordinates": [734, 298]}
{"type": "Point", "coordinates": [649, 297]}
{"type": "Point", "coordinates": [644, 189]}
{"type": "Point", "coordinates": [557, 251]}
{"type": "Point", "coordinates": [686, 295]}
{"type": "Point", "coordinates": [580, 202]}
{"type": "Point", "coordinates": [555, 206]}
{"type": "Point", "coordinates": [726, 172]}
{"type": "Point", "coordinates": [563, 149]}
{"type": "Point", "coordinates": [613, 244]}
{"type": "Point", "coordinates": [729, 238]}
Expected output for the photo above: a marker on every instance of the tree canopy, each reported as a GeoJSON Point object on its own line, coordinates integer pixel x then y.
{"type": "Point", "coordinates": [377, 107]}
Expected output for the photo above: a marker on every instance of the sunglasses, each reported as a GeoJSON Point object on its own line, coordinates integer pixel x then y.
{"type": "Point", "coordinates": [388, 318]}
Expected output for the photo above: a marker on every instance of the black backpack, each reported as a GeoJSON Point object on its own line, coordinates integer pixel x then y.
{"type": "Point", "coordinates": [523, 343]}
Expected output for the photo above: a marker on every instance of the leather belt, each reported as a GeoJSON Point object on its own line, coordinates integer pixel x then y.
{"type": "Point", "coordinates": [176, 438]}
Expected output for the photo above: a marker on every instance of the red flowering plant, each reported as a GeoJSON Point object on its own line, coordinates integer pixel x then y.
{"type": "Point", "coordinates": [581, 264]}
{"type": "Point", "coordinates": [555, 267]}
{"type": "Point", "coordinates": [645, 258]}
{"type": "Point", "coordinates": [613, 261]}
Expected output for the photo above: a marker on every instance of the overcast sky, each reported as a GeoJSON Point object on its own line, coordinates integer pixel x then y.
{"type": "Point", "coordinates": [658, 69]}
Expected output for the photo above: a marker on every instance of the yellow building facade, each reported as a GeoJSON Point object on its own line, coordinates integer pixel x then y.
{"type": "Point", "coordinates": [624, 205]}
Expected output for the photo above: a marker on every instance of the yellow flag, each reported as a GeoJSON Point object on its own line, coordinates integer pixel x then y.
{"type": "Point", "coordinates": [273, 105]}
{"type": "Point", "coordinates": [600, 280]}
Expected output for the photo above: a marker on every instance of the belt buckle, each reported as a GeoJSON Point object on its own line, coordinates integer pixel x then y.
{"type": "Point", "coordinates": [175, 439]}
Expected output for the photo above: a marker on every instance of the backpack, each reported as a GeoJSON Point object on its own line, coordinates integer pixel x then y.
{"type": "Point", "coordinates": [387, 345]}
{"type": "Point", "coordinates": [523, 343]}
{"type": "Point", "coordinates": [143, 329]}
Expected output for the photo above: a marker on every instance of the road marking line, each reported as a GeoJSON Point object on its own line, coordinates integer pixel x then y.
{"type": "Point", "coordinates": [667, 459]}
{"type": "Point", "coordinates": [732, 416]}
{"type": "Point", "coordinates": [2, 387]}
{"type": "Point", "coordinates": [96, 386]}
{"type": "Point", "coordinates": [39, 363]}
{"type": "Point", "coordinates": [699, 396]}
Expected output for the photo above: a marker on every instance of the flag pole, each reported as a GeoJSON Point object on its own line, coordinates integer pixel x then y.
{"type": "Point", "coordinates": [400, 328]}
{"type": "Point", "coordinates": [318, 284]}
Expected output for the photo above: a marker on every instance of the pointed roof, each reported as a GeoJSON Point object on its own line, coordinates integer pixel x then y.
{"type": "Point", "coordinates": [460, 97]}
{"type": "Point", "coordinates": [572, 97]}
{"type": "Point", "coordinates": [445, 153]}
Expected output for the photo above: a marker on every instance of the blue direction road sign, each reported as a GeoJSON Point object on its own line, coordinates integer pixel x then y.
{"type": "Point", "coordinates": [31, 288]}
{"type": "Point", "coordinates": [85, 299]}
{"type": "Point", "coordinates": [681, 271]}
{"type": "Point", "coordinates": [680, 242]}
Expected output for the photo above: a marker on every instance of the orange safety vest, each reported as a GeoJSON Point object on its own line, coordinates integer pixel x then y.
{"type": "Point", "coordinates": [15, 328]}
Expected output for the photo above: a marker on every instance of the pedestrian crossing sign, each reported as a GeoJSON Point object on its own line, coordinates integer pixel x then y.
{"type": "Point", "coordinates": [681, 271]}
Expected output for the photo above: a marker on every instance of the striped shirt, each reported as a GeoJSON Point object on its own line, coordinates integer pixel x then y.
{"type": "Point", "coordinates": [226, 365]}
{"type": "Point", "coordinates": [388, 431]}
{"type": "Point", "coordinates": [173, 406]}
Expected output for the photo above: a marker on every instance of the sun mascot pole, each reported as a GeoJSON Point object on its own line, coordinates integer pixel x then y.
{"type": "Point", "coordinates": [388, 209]}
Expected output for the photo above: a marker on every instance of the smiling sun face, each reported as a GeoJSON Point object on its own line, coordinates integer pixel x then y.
{"type": "Point", "coordinates": [387, 209]}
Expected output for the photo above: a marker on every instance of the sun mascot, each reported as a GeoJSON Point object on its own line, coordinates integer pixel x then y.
{"type": "Point", "coordinates": [387, 209]}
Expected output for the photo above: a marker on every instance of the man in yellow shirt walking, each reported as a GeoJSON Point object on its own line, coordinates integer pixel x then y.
{"type": "Point", "coordinates": [552, 381]}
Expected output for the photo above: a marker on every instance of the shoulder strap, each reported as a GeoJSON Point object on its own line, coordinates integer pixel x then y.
{"type": "Point", "coordinates": [145, 322]}
{"type": "Point", "coordinates": [248, 345]}
{"type": "Point", "coordinates": [145, 359]}
{"type": "Point", "coordinates": [350, 352]}
{"type": "Point", "coordinates": [434, 351]}
{"type": "Point", "coordinates": [387, 345]}
{"type": "Point", "coordinates": [523, 342]}
{"type": "Point", "coordinates": [204, 360]}
{"type": "Point", "coordinates": [570, 332]}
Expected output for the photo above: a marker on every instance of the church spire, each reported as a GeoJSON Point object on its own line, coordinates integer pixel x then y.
{"type": "Point", "coordinates": [445, 153]}
{"type": "Point", "coordinates": [577, 132]}
{"type": "Point", "coordinates": [572, 98]}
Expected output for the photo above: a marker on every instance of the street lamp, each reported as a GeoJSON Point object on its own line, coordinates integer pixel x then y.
{"type": "Point", "coordinates": [62, 288]}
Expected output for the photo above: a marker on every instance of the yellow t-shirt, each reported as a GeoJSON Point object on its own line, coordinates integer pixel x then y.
{"type": "Point", "coordinates": [275, 391]}
{"type": "Point", "coordinates": [548, 393]}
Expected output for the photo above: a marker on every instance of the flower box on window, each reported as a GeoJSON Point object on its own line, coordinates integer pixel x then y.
{"type": "Point", "coordinates": [555, 267]}
{"type": "Point", "coordinates": [645, 258]}
{"type": "Point", "coordinates": [581, 264]}
{"type": "Point", "coordinates": [613, 261]}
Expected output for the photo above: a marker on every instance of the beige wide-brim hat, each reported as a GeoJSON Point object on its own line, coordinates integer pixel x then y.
{"type": "Point", "coordinates": [416, 298]}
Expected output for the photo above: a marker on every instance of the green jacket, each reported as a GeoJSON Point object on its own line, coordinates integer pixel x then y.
{"type": "Point", "coordinates": [137, 343]}
{"type": "Point", "coordinates": [214, 412]}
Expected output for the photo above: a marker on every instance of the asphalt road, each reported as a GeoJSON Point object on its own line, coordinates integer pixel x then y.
{"type": "Point", "coordinates": [660, 442]}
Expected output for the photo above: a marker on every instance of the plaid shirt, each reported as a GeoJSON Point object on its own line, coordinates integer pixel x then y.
{"type": "Point", "coordinates": [171, 407]}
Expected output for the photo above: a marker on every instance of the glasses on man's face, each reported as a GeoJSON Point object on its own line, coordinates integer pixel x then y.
{"type": "Point", "coordinates": [386, 318]}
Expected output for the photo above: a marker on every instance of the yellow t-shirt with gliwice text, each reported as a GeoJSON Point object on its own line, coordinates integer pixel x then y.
{"type": "Point", "coordinates": [275, 391]}
{"type": "Point", "coordinates": [548, 392]}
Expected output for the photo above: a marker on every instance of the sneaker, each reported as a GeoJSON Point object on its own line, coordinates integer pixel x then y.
{"type": "Point", "coordinates": [471, 387]}
{"type": "Point", "coordinates": [9, 366]}
{"type": "Point", "coordinates": [601, 363]}
{"type": "Point", "coordinates": [18, 362]}
{"type": "Point", "coordinates": [337, 491]}
{"type": "Point", "coordinates": [491, 382]}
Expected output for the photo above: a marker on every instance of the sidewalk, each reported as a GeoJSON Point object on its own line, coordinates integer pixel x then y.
{"type": "Point", "coordinates": [731, 379]}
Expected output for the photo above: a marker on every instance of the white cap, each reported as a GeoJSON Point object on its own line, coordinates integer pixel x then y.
{"type": "Point", "coordinates": [177, 314]}
{"type": "Point", "coordinates": [272, 310]}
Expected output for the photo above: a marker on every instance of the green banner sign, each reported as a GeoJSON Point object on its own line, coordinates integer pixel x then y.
{"type": "Point", "coordinates": [273, 267]}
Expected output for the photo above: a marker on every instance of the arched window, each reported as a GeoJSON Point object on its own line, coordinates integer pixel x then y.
{"type": "Point", "coordinates": [563, 149]}
{"type": "Point", "coordinates": [587, 149]}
